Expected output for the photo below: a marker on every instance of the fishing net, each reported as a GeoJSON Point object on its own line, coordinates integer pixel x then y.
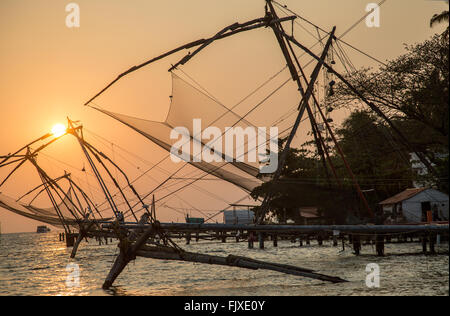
{"type": "Point", "coordinates": [189, 103]}
{"type": "Point", "coordinates": [46, 215]}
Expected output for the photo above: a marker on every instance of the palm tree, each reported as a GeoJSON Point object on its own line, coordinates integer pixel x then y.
{"type": "Point", "coordinates": [441, 18]}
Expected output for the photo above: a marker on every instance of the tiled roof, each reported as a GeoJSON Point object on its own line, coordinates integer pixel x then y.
{"type": "Point", "coordinates": [405, 195]}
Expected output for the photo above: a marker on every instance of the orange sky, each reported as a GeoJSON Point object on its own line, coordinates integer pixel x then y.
{"type": "Point", "coordinates": [48, 71]}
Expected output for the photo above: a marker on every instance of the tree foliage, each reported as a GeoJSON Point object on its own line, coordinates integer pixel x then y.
{"type": "Point", "coordinates": [377, 160]}
{"type": "Point", "coordinates": [441, 18]}
{"type": "Point", "coordinates": [303, 184]}
{"type": "Point", "coordinates": [413, 91]}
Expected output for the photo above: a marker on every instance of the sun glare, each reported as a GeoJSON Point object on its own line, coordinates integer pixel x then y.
{"type": "Point", "coordinates": [58, 130]}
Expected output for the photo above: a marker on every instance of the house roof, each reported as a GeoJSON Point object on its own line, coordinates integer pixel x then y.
{"type": "Point", "coordinates": [402, 196]}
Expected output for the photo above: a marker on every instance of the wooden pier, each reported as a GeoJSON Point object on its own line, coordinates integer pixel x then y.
{"type": "Point", "coordinates": [142, 240]}
{"type": "Point", "coordinates": [356, 235]}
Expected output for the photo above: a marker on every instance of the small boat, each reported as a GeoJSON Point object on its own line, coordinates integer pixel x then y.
{"type": "Point", "coordinates": [42, 229]}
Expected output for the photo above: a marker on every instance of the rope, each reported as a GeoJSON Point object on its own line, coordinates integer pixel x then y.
{"type": "Point", "coordinates": [146, 173]}
{"type": "Point", "coordinates": [284, 7]}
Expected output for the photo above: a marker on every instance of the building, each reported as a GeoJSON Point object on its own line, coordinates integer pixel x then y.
{"type": "Point", "coordinates": [195, 220]}
{"type": "Point", "coordinates": [42, 229]}
{"type": "Point", "coordinates": [421, 170]}
{"type": "Point", "coordinates": [310, 216]}
{"type": "Point", "coordinates": [242, 217]}
{"type": "Point", "coordinates": [416, 205]}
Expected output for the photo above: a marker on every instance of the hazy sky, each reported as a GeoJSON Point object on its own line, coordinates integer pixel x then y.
{"type": "Point", "coordinates": [48, 71]}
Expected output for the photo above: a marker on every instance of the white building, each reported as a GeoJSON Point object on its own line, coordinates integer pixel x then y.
{"type": "Point", "coordinates": [412, 205]}
{"type": "Point", "coordinates": [421, 170]}
{"type": "Point", "coordinates": [242, 217]}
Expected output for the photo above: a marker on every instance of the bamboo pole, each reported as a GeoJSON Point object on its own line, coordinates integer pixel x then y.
{"type": "Point", "coordinates": [403, 138]}
{"type": "Point", "coordinates": [303, 105]}
{"type": "Point", "coordinates": [234, 261]}
{"type": "Point", "coordinates": [187, 46]}
{"type": "Point", "coordinates": [119, 264]}
{"type": "Point", "coordinates": [6, 158]}
{"type": "Point", "coordinates": [80, 237]}
{"type": "Point", "coordinates": [84, 230]}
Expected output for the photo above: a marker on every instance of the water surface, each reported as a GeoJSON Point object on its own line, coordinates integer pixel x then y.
{"type": "Point", "coordinates": [35, 264]}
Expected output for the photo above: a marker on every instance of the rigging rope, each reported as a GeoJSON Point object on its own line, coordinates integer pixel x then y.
{"type": "Point", "coordinates": [284, 7]}
{"type": "Point", "coordinates": [269, 80]}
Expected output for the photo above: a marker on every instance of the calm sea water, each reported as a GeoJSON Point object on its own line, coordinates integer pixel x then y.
{"type": "Point", "coordinates": [35, 264]}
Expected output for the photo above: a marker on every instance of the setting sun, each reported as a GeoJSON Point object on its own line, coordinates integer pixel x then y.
{"type": "Point", "coordinates": [59, 130]}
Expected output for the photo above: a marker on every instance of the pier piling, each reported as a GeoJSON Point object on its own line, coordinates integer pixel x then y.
{"type": "Point", "coordinates": [250, 240]}
{"type": "Point", "coordinates": [335, 241]}
{"type": "Point", "coordinates": [424, 244]}
{"type": "Point", "coordinates": [261, 240]}
{"type": "Point", "coordinates": [320, 239]}
{"type": "Point", "coordinates": [70, 239]}
{"type": "Point", "coordinates": [188, 238]}
{"type": "Point", "coordinates": [432, 244]}
{"type": "Point", "coordinates": [224, 237]}
{"type": "Point", "coordinates": [356, 244]}
{"type": "Point", "coordinates": [379, 245]}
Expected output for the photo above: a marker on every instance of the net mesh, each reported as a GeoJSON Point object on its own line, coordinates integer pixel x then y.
{"type": "Point", "coordinates": [189, 103]}
{"type": "Point", "coordinates": [46, 215]}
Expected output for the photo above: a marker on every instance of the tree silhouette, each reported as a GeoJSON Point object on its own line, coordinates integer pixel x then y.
{"type": "Point", "coordinates": [441, 18]}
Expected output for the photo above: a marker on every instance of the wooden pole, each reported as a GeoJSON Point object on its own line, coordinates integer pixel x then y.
{"type": "Point", "coordinates": [261, 240]}
{"type": "Point", "coordinates": [302, 107]}
{"type": "Point", "coordinates": [188, 238]}
{"type": "Point", "coordinates": [370, 104]}
{"type": "Point", "coordinates": [356, 244]}
{"type": "Point", "coordinates": [187, 46]}
{"type": "Point", "coordinates": [84, 229]}
{"type": "Point", "coordinates": [127, 253]}
{"type": "Point", "coordinates": [119, 264]}
{"type": "Point", "coordinates": [379, 245]}
{"type": "Point", "coordinates": [316, 132]}
{"type": "Point", "coordinates": [80, 237]}
{"type": "Point", "coordinates": [304, 229]}
{"type": "Point", "coordinates": [250, 240]}
{"type": "Point", "coordinates": [432, 244]}
{"type": "Point", "coordinates": [234, 261]}
{"type": "Point", "coordinates": [320, 239]}
{"type": "Point", "coordinates": [70, 238]}
{"type": "Point", "coordinates": [424, 244]}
